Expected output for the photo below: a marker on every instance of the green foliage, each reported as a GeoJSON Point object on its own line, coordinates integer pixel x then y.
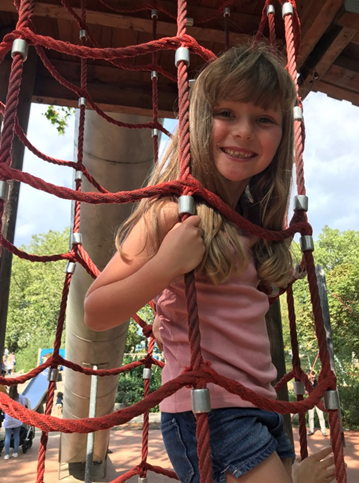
{"type": "Point", "coordinates": [35, 295]}
{"type": "Point", "coordinates": [338, 253]}
{"type": "Point", "coordinates": [349, 396]}
{"type": "Point", "coordinates": [59, 117]}
{"type": "Point", "coordinates": [135, 336]}
{"type": "Point", "coordinates": [131, 385]}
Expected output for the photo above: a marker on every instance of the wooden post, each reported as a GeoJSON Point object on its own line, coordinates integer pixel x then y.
{"type": "Point", "coordinates": [274, 327]}
{"type": "Point", "coordinates": [10, 212]}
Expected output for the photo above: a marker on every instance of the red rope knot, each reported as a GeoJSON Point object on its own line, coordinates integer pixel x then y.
{"type": "Point", "coordinates": [147, 331]}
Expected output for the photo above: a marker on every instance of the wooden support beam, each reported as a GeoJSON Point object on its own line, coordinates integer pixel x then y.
{"type": "Point", "coordinates": [337, 92]}
{"type": "Point", "coordinates": [316, 21]}
{"type": "Point", "coordinates": [326, 52]}
{"type": "Point", "coordinates": [164, 28]}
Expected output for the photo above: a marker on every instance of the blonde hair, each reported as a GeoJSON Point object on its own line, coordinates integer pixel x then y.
{"type": "Point", "coordinates": [246, 74]}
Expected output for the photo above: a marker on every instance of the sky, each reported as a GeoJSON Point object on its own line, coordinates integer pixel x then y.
{"type": "Point", "coordinates": [331, 169]}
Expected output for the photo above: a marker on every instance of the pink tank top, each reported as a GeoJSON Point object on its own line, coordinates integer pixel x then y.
{"type": "Point", "coordinates": [234, 338]}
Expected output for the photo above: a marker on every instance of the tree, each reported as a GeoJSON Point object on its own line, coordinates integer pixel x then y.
{"type": "Point", "coordinates": [35, 292]}
{"type": "Point", "coordinates": [338, 253]}
{"type": "Point", "coordinates": [59, 117]}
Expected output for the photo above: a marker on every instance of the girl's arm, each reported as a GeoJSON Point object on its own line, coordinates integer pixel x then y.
{"type": "Point", "coordinates": [127, 283]}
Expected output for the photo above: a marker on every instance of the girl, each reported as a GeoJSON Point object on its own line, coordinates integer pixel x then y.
{"type": "Point", "coordinates": [12, 425]}
{"type": "Point", "coordinates": [241, 126]}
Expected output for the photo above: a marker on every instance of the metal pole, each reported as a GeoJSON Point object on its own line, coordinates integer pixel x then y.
{"type": "Point", "coordinates": [323, 295]}
{"type": "Point", "coordinates": [91, 436]}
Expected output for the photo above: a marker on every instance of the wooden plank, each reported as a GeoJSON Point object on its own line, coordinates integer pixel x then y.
{"type": "Point", "coordinates": [114, 20]}
{"type": "Point", "coordinates": [327, 50]}
{"type": "Point", "coordinates": [347, 19]}
{"type": "Point", "coordinates": [337, 92]}
{"type": "Point", "coordinates": [315, 21]}
{"type": "Point", "coordinates": [342, 78]}
{"type": "Point", "coordinates": [126, 98]}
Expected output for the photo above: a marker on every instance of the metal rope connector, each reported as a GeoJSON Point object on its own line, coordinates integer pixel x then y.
{"type": "Point", "coordinates": [200, 401]}
{"type": "Point", "coordinates": [147, 373]}
{"type": "Point", "coordinates": [20, 46]}
{"type": "Point", "coordinates": [298, 113]}
{"type": "Point", "coordinates": [287, 9]}
{"type": "Point", "coordinates": [70, 267]}
{"type": "Point", "coordinates": [154, 132]}
{"type": "Point", "coordinates": [306, 243]}
{"type": "Point", "coordinates": [154, 13]}
{"type": "Point", "coordinates": [76, 239]}
{"type": "Point", "coordinates": [189, 22]}
{"type": "Point", "coordinates": [331, 400]}
{"type": "Point", "coordinates": [227, 12]}
{"type": "Point", "coordinates": [298, 388]}
{"type": "Point", "coordinates": [83, 34]}
{"type": "Point", "coordinates": [270, 10]}
{"type": "Point", "coordinates": [82, 101]}
{"type": "Point", "coordinates": [154, 74]}
{"type": "Point", "coordinates": [53, 374]}
{"type": "Point", "coordinates": [142, 480]}
{"type": "Point", "coordinates": [182, 55]}
{"type": "Point", "coordinates": [78, 175]}
{"type": "Point", "coordinates": [300, 203]}
{"type": "Point", "coordinates": [186, 205]}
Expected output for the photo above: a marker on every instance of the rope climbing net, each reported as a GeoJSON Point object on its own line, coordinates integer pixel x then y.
{"type": "Point", "coordinates": [199, 374]}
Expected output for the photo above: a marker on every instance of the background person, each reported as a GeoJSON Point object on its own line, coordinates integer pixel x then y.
{"type": "Point", "coordinates": [12, 426]}
{"type": "Point", "coordinates": [311, 412]}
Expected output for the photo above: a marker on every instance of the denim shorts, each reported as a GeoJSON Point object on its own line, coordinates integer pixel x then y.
{"type": "Point", "coordinates": [240, 439]}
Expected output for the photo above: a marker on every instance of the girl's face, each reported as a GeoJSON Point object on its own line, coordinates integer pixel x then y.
{"type": "Point", "coordinates": [245, 139]}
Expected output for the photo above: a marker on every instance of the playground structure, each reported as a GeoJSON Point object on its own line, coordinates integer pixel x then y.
{"type": "Point", "coordinates": [136, 98]}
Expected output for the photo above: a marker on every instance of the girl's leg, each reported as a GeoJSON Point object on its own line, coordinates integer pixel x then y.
{"type": "Point", "coordinates": [8, 432]}
{"type": "Point", "coordinates": [16, 439]}
{"type": "Point", "coordinates": [271, 470]}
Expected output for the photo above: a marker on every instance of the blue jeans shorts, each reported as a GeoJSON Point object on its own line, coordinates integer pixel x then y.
{"type": "Point", "coordinates": [240, 439]}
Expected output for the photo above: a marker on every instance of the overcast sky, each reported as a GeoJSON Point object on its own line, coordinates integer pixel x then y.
{"type": "Point", "coordinates": [330, 159]}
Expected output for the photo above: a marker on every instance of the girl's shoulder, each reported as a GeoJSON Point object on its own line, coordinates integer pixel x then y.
{"type": "Point", "coordinates": [166, 215]}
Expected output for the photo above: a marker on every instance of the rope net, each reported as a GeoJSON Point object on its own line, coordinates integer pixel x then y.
{"type": "Point", "coordinates": [199, 374]}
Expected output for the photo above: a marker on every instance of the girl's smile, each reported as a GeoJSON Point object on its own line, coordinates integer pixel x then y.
{"type": "Point", "coordinates": [245, 139]}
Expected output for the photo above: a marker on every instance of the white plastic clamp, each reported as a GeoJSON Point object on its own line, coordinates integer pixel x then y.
{"type": "Point", "coordinates": [78, 175]}
{"type": "Point", "coordinates": [227, 12]}
{"type": "Point", "coordinates": [287, 9]}
{"type": "Point", "coordinates": [82, 101]}
{"type": "Point", "coordinates": [301, 203]}
{"type": "Point", "coordinates": [53, 374]}
{"type": "Point", "coordinates": [298, 113]}
{"type": "Point", "coordinates": [70, 267]}
{"type": "Point", "coordinates": [154, 74]}
{"type": "Point", "coordinates": [306, 243]}
{"type": "Point", "coordinates": [147, 373]}
{"type": "Point", "coordinates": [154, 132]}
{"type": "Point", "coordinates": [83, 34]}
{"type": "Point", "coordinates": [154, 13]}
{"type": "Point", "coordinates": [20, 46]}
{"type": "Point", "coordinates": [270, 10]}
{"type": "Point", "coordinates": [298, 388]}
{"type": "Point", "coordinates": [189, 22]}
{"type": "Point", "coordinates": [186, 205]}
{"type": "Point", "coordinates": [200, 401]}
{"type": "Point", "coordinates": [4, 190]}
{"type": "Point", "coordinates": [76, 238]}
{"type": "Point", "coordinates": [182, 55]}
{"type": "Point", "coordinates": [331, 400]}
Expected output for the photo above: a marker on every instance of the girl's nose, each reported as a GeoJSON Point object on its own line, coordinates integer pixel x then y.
{"type": "Point", "coordinates": [243, 128]}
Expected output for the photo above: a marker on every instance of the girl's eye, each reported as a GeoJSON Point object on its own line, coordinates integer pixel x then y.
{"type": "Point", "coordinates": [265, 120]}
{"type": "Point", "coordinates": [223, 113]}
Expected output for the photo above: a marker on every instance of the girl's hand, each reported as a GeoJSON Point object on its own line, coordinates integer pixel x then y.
{"type": "Point", "coordinates": [182, 249]}
{"type": "Point", "coordinates": [317, 468]}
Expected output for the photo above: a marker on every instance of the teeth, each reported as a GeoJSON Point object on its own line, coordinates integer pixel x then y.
{"type": "Point", "coordinates": [238, 154]}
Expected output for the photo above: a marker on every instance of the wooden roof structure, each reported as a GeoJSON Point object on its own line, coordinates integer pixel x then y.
{"type": "Point", "coordinates": [328, 58]}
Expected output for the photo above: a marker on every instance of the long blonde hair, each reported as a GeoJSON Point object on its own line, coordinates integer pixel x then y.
{"type": "Point", "coordinates": [247, 74]}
